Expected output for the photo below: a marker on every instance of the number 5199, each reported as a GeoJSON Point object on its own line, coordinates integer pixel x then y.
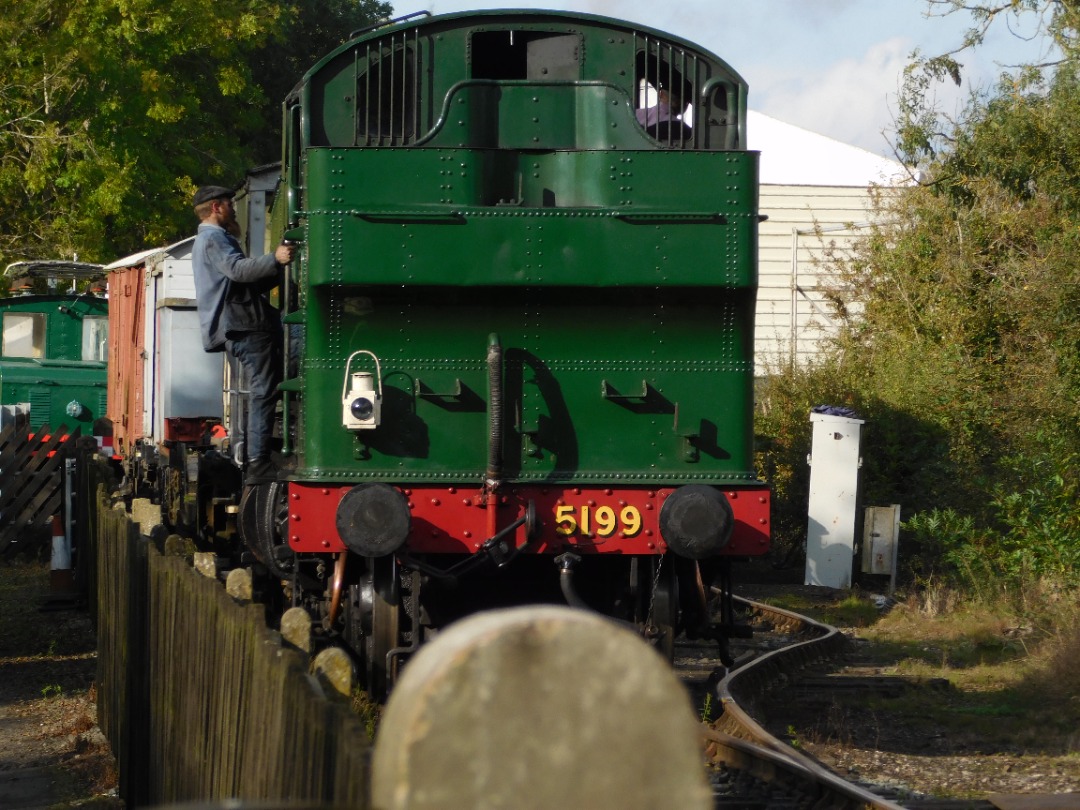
{"type": "Point", "coordinates": [599, 520]}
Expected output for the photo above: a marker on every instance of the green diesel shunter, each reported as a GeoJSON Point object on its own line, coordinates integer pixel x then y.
{"type": "Point", "coordinates": [520, 329]}
{"type": "Point", "coordinates": [53, 352]}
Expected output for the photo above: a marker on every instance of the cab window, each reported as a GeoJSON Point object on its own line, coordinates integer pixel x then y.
{"type": "Point", "coordinates": [23, 334]}
{"type": "Point", "coordinates": [95, 339]}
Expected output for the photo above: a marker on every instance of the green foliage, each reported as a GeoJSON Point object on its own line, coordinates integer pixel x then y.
{"type": "Point", "coordinates": [852, 611]}
{"type": "Point", "coordinates": [782, 425]}
{"type": "Point", "coordinates": [910, 453]}
{"type": "Point", "coordinates": [943, 539]}
{"type": "Point", "coordinates": [116, 110]}
{"type": "Point", "coordinates": [960, 344]}
{"type": "Point", "coordinates": [369, 712]}
{"type": "Point", "coordinates": [707, 709]}
{"type": "Point", "coordinates": [793, 737]}
{"type": "Point", "coordinates": [1033, 536]}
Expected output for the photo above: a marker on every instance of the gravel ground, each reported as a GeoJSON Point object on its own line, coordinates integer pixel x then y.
{"type": "Point", "coordinates": [52, 754]}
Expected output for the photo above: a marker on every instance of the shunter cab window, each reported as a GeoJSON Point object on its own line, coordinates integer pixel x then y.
{"type": "Point", "coordinates": [95, 339]}
{"type": "Point", "coordinates": [23, 334]}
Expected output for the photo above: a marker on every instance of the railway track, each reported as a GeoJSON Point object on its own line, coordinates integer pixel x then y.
{"type": "Point", "coordinates": [750, 766]}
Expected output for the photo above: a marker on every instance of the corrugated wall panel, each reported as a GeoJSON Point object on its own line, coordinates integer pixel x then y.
{"type": "Point", "coordinates": [126, 355]}
{"type": "Point", "coordinates": [792, 314]}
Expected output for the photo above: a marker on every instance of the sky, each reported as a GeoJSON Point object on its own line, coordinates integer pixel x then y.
{"type": "Point", "coordinates": [833, 67]}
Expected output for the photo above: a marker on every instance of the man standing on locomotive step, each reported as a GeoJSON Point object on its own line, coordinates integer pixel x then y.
{"type": "Point", "coordinates": [236, 316]}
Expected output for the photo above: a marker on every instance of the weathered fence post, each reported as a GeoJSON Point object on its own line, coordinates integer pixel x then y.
{"type": "Point", "coordinates": [200, 700]}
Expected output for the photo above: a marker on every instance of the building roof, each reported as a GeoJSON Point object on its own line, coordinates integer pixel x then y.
{"type": "Point", "coordinates": [55, 268]}
{"type": "Point", "coordinates": [792, 156]}
{"type": "Point", "coordinates": [141, 257]}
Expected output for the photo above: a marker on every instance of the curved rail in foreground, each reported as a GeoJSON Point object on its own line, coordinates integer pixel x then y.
{"type": "Point", "coordinates": [738, 741]}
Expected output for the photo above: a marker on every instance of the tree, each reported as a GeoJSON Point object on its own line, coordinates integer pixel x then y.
{"type": "Point", "coordinates": [114, 111]}
{"type": "Point", "coordinates": [978, 260]}
{"type": "Point", "coordinates": [961, 345]}
{"type": "Point", "coordinates": [922, 129]}
{"type": "Point", "coordinates": [314, 28]}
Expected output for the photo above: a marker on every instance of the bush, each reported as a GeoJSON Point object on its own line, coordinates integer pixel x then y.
{"type": "Point", "coordinates": [1032, 535]}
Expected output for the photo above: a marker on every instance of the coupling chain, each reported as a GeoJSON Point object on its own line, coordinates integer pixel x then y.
{"type": "Point", "coordinates": [649, 626]}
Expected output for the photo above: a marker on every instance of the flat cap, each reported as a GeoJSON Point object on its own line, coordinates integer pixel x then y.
{"type": "Point", "coordinates": [207, 193]}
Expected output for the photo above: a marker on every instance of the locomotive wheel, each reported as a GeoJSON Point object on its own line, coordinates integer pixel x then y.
{"type": "Point", "coordinates": [260, 521]}
{"type": "Point", "coordinates": [385, 632]}
{"type": "Point", "coordinates": [375, 621]}
{"type": "Point", "coordinates": [679, 603]}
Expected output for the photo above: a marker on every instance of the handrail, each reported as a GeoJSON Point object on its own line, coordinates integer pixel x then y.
{"type": "Point", "coordinates": [386, 23]}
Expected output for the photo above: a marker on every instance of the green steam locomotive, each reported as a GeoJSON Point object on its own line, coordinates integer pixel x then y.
{"type": "Point", "coordinates": [520, 331]}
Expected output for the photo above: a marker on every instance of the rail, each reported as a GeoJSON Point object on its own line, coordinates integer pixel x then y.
{"type": "Point", "coordinates": [738, 741]}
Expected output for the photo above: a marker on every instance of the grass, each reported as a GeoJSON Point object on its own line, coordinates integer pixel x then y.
{"type": "Point", "coordinates": [367, 710]}
{"type": "Point", "coordinates": [851, 611]}
{"type": "Point", "coordinates": [707, 709]}
{"type": "Point", "coordinates": [1014, 680]}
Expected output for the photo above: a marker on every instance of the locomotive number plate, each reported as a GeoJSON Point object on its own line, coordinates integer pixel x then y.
{"type": "Point", "coordinates": [599, 521]}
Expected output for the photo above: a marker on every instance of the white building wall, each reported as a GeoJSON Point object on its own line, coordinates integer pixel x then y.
{"type": "Point", "coordinates": [793, 317]}
{"type": "Point", "coordinates": [815, 192]}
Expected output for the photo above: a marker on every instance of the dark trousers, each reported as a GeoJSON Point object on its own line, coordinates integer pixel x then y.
{"type": "Point", "coordinates": [260, 354]}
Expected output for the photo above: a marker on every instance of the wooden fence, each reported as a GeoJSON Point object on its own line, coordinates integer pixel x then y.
{"type": "Point", "coordinates": [199, 699]}
{"type": "Point", "coordinates": [31, 482]}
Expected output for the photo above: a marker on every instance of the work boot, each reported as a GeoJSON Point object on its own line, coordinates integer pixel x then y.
{"type": "Point", "coordinates": [260, 471]}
